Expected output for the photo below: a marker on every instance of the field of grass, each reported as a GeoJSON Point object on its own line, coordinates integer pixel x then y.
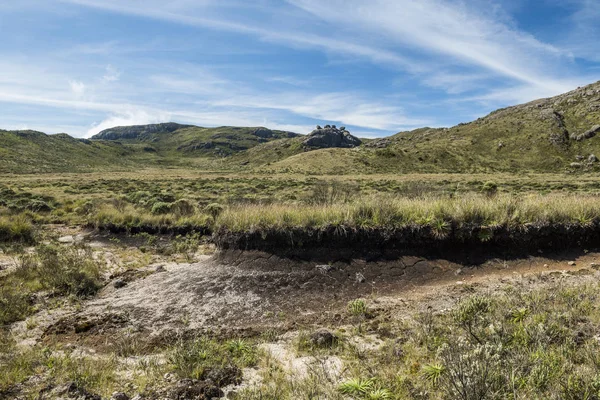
{"type": "Point", "coordinates": [518, 342]}
{"type": "Point", "coordinates": [182, 201]}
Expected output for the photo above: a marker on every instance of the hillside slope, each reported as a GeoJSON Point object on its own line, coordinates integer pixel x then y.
{"type": "Point", "coordinates": [172, 139]}
{"type": "Point", "coordinates": [34, 152]}
{"type": "Point", "coordinates": [547, 135]}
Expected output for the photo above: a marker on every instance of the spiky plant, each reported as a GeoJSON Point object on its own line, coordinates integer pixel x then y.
{"type": "Point", "coordinates": [357, 387]}
{"type": "Point", "coordinates": [433, 372]}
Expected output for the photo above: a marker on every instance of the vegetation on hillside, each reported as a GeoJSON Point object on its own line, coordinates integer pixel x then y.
{"type": "Point", "coordinates": [548, 135]}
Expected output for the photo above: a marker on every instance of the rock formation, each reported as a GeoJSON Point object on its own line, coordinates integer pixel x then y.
{"type": "Point", "coordinates": [330, 136]}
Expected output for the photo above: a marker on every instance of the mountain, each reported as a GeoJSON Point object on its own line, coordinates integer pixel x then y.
{"type": "Point", "coordinates": [171, 139]}
{"type": "Point", "coordinates": [138, 132]}
{"type": "Point", "coordinates": [558, 134]}
{"type": "Point", "coordinates": [33, 152]}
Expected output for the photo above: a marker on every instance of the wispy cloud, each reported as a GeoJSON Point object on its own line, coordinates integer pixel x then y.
{"type": "Point", "coordinates": [447, 28]}
{"type": "Point", "coordinates": [379, 67]}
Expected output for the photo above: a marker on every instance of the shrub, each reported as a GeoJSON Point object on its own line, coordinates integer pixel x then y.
{"type": "Point", "coordinates": [161, 208]}
{"type": "Point", "coordinates": [183, 207]}
{"type": "Point", "coordinates": [61, 270]}
{"type": "Point", "coordinates": [16, 229]}
{"type": "Point", "coordinates": [470, 371]}
{"type": "Point", "coordinates": [489, 188]}
{"type": "Point", "coordinates": [14, 305]}
{"type": "Point", "coordinates": [472, 315]}
{"type": "Point", "coordinates": [64, 270]}
{"type": "Point", "coordinates": [214, 210]}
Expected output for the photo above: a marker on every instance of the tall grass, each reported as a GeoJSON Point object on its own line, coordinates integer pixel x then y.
{"type": "Point", "coordinates": [390, 212]}
{"type": "Point", "coordinates": [16, 228]}
{"type": "Point", "coordinates": [129, 217]}
{"type": "Point", "coordinates": [57, 271]}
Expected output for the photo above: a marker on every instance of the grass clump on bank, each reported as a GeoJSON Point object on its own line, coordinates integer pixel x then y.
{"type": "Point", "coordinates": [133, 220]}
{"type": "Point", "coordinates": [397, 212]}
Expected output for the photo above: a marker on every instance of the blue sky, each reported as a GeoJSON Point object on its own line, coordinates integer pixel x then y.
{"type": "Point", "coordinates": [377, 67]}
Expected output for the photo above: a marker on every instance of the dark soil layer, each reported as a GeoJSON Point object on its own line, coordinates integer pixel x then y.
{"type": "Point", "coordinates": [153, 230]}
{"type": "Point", "coordinates": [464, 243]}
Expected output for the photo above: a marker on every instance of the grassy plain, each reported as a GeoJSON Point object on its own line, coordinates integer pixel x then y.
{"type": "Point", "coordinates": [514, 342]}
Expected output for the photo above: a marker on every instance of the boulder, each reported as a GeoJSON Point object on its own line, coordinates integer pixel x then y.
{"type": "Point", "coordinates": [592, 158]}
{"type": "Point", "coordinates": [263, 133]}
{"type": "Point", "coordinates": [330, 137]}
{"type": "Point", "coordinates": [119, 283]}
{"type": "Point", "coordinates": [322, 338]}
{"type": "Point", "coordinates": [590, 133]}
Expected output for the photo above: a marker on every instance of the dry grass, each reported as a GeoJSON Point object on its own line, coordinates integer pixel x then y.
{"type": "Point", "coordinates": [395, 212]}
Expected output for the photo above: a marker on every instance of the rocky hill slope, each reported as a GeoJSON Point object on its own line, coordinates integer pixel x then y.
{"type": "Point", "coordinates": [557, 134]}
{"type": "Point", "coordinates": [188, 140]}
{"type": "Point", "coordinates": [548, 135]}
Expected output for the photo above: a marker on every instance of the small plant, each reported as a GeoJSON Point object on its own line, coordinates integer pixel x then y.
{"type": "Point", "coordinates": [519, 315]}
{"type": "Point", "coordinates": [214, 210]}
{"type": "Point", "coordinates": [357, 307]}
{"type": "Point", "coordinates": [440, 228]}
{"type": "Point", "coordinates": [379, 394]}
{"type": "Point", "coordinates": [357, 387]}
{"type": "Point", "coordinates": [238, 347]}
{"type": "Point", "coordinates": [433, 372]}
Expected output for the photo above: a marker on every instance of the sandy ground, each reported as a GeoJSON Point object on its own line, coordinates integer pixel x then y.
{"type": "Point", "coordinates": [252, 292]}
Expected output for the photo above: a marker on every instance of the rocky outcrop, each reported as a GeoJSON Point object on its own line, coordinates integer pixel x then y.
{"type": "Point", "coordinates": [137, 131]}
{"type": "Point", "coordinates": [381, 143]}
{"type": "Point", "coordinates": [267, 133]}
{"type": "Point", "coordinates": [590, 133]}
{"type": "Point", "coordinates": [330, 136]}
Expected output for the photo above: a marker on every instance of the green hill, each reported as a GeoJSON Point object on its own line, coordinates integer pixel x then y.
{"type": "Point", "coordinates": [172, 139]}
{"type": "Point", "coordinates": [34, 152]}
{"type": "Point", "coordinates": [554, 134]}
{"type": "Point", "coordinates": [549, 135]}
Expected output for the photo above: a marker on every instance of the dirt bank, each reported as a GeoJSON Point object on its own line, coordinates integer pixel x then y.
{"type": "Point", "coordinates": [464, 244]}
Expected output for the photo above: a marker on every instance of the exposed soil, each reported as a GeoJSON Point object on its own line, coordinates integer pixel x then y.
{"type": "Point", "coordinates": [465, 243]}
{"type": "Point", "coordinates": [246, 293]}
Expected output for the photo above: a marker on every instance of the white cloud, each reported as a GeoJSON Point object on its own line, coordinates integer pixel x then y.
{"type": "Point", "coordinates": [78, 88]}
{"type": "Point", "coordinates": [473, 54]}
{"type": "Point", "coordinates": [112, 74]}
{"type": "Point", "coordinates": [129, 117]}
{"type": "Point", "coordinates": [447, 28]}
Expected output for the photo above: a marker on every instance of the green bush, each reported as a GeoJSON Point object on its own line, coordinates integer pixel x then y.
{"type": "Point", "coordinates": [183, 207]}
{"type": "Point", "coordinates": [193, 358]}
{"type": "Point", "coordinates": [161, 208]}
{"type": "Point", "coordinates": [64, 270]}
{"type": "Point", "coordinates": [214, 210]}
{"type": "Point", "coordinates": [489, 188]}
{"type": "Point", "coordinates": [16, 229]}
